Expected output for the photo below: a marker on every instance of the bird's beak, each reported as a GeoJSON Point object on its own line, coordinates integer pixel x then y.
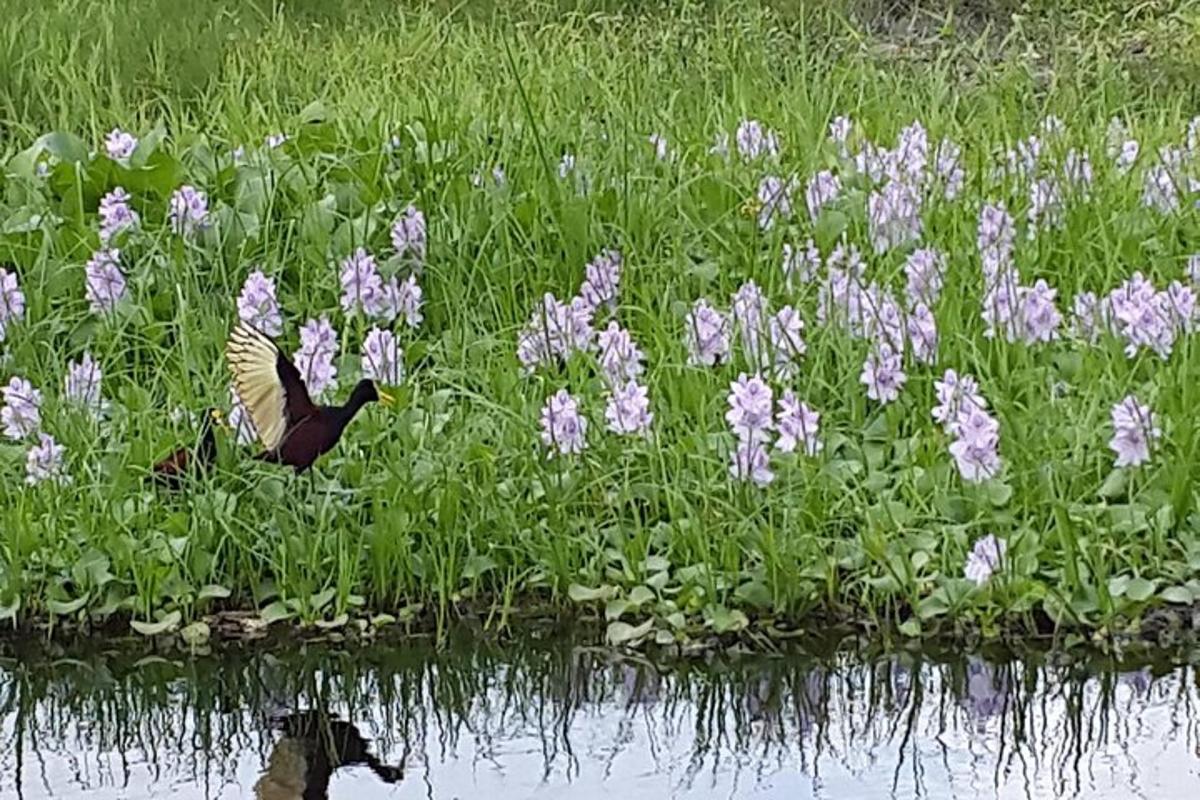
{"type": "Point", "coordinates": [385, 399]}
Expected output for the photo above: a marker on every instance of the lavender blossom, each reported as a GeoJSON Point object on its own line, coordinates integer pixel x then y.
{"type": "Point", "coordinates": [315, 358]}
{"type": "Point", "coordinates": [755, 141]}
{"type": "Point", "coordinates": [921, 327]}
{"type": "Point", "coordinates": [104, 283]}
{"type": "Point", "coordinates": [555, 331]}
{"type": "Point", "coordinates": [257, 306]}
{"type": "Point", "coordinates": [382, 360]}
{"type": "Point", "coordinates": [620, 358]}
{"type": "Point", "coordinates": [628, 409]}
{"type": "Point", "coordinates": [823, 189]}
{"type": "Point", "coordinates": [976, 450]}
{"type": "Point", "coordinates": [995, 238]}
{"type": "Point", "coordinates": [602, 279]}
{"type": "Point", "coordinates": [750, 406]}
{"type": "Point", "coordinates": [801, 264]}
{"type": "Point", "coordinates": [894, 216]}
{"type": "Point", "coordinates": [188, 211]}
{"type": "Point", "coordinates": [362, 286]}
{"type": "Point", "coordinates": [1040, 319]}
{"type": "Point", "coordinates": [401, 299]}
{"type": "Point", "coordinates": [984, 559]}
{"type": "Point", "coordinates": [882, 318]}
{"type": "Point", "coordinates": [1046, 206]}
{"type": "Point", "coordinates": [409, 235]}
{"type": "Point", "coordinates": [563, 427]}
{"type": "Point", "coordinates": [1002, 305]}
{"type": "Point", "coordinates": [798, 426]}
{"type": "Point", "coordinates": [706, 335]}
{"type": "Point", "coordinates": [1087, 318]}
{"type": "Point", "coordinates": [116, 215]}
{"type": "Point", "coordinates": [955, 395]}
{"type": "Point", "coordinates": [909, 160]}
{"type": "Point", "coordinates": [22, 411]}
{"type": "Point", "coordinates": [787, 342]}
{"type": "Point", "coordinates": [839, 134]}
{"type": "Point", "coordinates": [1181, 300]}
{"type": "Point", "coordinates": [1134, 431]}
{"type": "Point", "coordinates": [883, 374]}
{"type": "Point", "coordinates": [750, 462]}
{"type": "Point", "coordinates": [83, 384]}
{"type": "Point", "coordinates": [750, 312]}
{"type": "Point", "coordinates": [276, 140]}
{"type": "Point", "coordinates": [1159, 191]}
{"type": "Point", "coordinates": [120, 145]}
{"type": "Point", "coordinates": [566, 166]}
{"type": "Point", "coordinates": [12, 301]}
{"type": "Point", "coordinates": [948, 168]}
{"type": "Point", "coordinates": [1142, 316]}
{"type": "Point", "coordinates": [1077, 172]}
{"type": "Point", "coordinates": [925, 270]}
{"type": "Point", "coordinates": [44, 462]}
{"type": "Point", "coordinates": [775, 201]}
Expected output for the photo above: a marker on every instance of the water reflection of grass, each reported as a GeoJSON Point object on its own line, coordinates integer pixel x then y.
{"type": "Point", "coordinates": [192, 718]}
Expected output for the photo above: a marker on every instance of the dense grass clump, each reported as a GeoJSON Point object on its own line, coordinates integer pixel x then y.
{"type": "Point", "coordinates": [479, 167]}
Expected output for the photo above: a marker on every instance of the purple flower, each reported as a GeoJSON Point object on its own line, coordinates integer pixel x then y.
{"type": "Point", "coordinates": [104, 284]}
{"type": "Point", "coordinates": [44, 462]}
{"type": "Point", "coordinates": [314, 359]}
{"type": "Point", "coordinates": [12, 301]}
{"type": "Point", "coordinates": [798, 426]}
{"type": "Point", "coordinates": [563, 428]}
{"type": "Point", "coordinates": [1142, 316]}
{"type": "Point", "coordinates": [1002, 305]}
{"type": "Point", "coordinates": [239, 419]}
{"type": "Point", "coordinates": [996, 234]}
{"type": "Point", "coordinates": [948, 168]}
{"type": "Point", "coordinates": [975, 451]}
{"type": "Point", "coordinates": [1182, 302]}
{"type": "Point", "coordinates": [1039, 317]}
{"type": "Point", "coordinates": [116, 215]}
{"type": "Point", "coordinates": [620, 358]}
{"type": "Point", "coordinates": [894, 216]}
{"type": "Point", "coordinates": [883, 374]}
{"type": "Point", "coordinates": [409, 235]}
{"type": "Point", "coordinates": [750, 311]}
{"type": "Point", "coordinates": [1134, 430]}
{"type": "Point", "coordinates": [822, 190]}
{"type": "Point", "coordinates": [1127, 155]}
{"type": "Point", "coordinates": [882, 319]}
{"type": "Point", "coordinates": [402, 299]}
{"type": "Point", "coordinates": [1087, 317]}
{"type": "Point", "coordinates": [188, 211]}
{"type": "Point", "coordinates": [872, 162]}
{"type": "Point", "coordinates": [706, 335]}
{"type": "Point", "coordinates": [925, 270]}
{"type": "Point", "coordinates": [628, 409]}
{"type": "Point", "coordinates": [1159, 191]}
{"type": "Point", "coordinates": [749, 462]}
{"type": "Point", "coordinates": [120, 145]}
{"type": "Point", "coordinates": [381, 358]}
{"type": "Point", "coordinates": [257, 306]}
{"type": "Point", "coordinates": [787, 341]}
{"type": "Point", "coordinates": [921, 327]}
{"type": "Point", "coordinates": [602, 279]}
{"type": "Point", "coordinates": [555, 331]}
{"type": "Point", "coordinates": [566, 166]}
{"type": "Point", "coordinates": [801, 264]}
{"type": "Point", "coordinates": [754, 141]}
{"type": "Point", "coordinates": [840, 296]}
{"type": "Point", "coordinates": [750, 407]}
{"type": "Point", "coordinates": [362, 287]}
{"type": "Point", "coordinates": [83, 384]}
{"type": "Point", "coordinates": [984, 559]}
{"type": "Point", "coordinates": [911, 156]}
{"type": "Point", "coordinates": [275, 140]}
{"type": "Point", "coordinates": [1046, 207]}
{"type": "Point", "coordinates": [22, 412]}
{"type": "Point", "coordinates": [839, 134]}
{"type": "Point", "coordinates": [955, 394]}
{"type": "Point", "coordinates": [1193, 269]}
{"type": "Point", "coordinates": [1077, 172]}
{"type": "Point", "coordinates": [775, 201]}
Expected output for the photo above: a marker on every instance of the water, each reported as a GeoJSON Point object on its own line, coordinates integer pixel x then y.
{"type": "Point", "coordinates": [543, 718]}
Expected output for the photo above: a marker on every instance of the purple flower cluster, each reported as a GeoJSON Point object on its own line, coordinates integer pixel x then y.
{"type": "Point", "coordinates": [563, 427]}
{"type": "Point", "coordinates": [883, 373]}
{"type": "Point", "coordinates": [409, 235]}
{"type": "Point", "coordinates": [620, 358]}
{"type": "Point", "coordinates": [83, 384]}
{"type": "Point", "coordinates": [925, 273]}
{"type": "Point", "coordinates": [382, 359]}
{"type": "Point", "coordinates": [706, 335]}
{"type": "Point", "coordinates": [1142, 315]}
{"type": "Point", "coordinates": [257, 305]}
{"type": "Point", "coordinates": [1016, 312]}
{"type": "Point", "coordinates": [628, 409]}
{"type": "Point", "coordinates": [363, 289]}
{"type": "Point", "coordinates": [774, 200]}
{"type": "Point", "coordinates": [120, 145]}
{"type": "Point", "coordinates": [12, 301]}
{"type": "Point", "coordinates": [963, 414]}
{"type": "Point", "coordinates": [823, 189]}
{"type": "Point", "coordinates": [755, 141]}
{"type": "Point", "coordinates": [894, 216]}
{"type": "Point", "coordinates": [985, 558]}
{"type": "Point", "coordinates": [188, 211]}
{"type": "Point", "coordinates": [116, 215]}
{"type": "Point", "coordinates": [798, 426]}
{"type": "Point", "coordinates": [315, 358]}
{"type": "Point", "coordinates": [104, 283]}
{"type": "Point", "coordinates": [1134, 431]}
{"type": "Point", "coordinates": [602, 279]}
{"type": "Point", "coordinates": [44, 462]}
{"type": "Point", "coordinates": [22, 411]}
{"type": "Point", "coordinates": [555, 331]}
{"type": "Point", "coordinates": [801, 264]}
{"type": "Point", "coordinates": [751, 420]}
{"type": "Point", "coordinates": [1122, 149]}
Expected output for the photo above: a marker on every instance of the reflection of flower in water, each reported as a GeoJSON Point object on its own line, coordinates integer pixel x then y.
{"type": "Point", "coordinates": [1138, 681]}
{"type": "Point", "coordinates": [640, 685]}
{"type": "Point", "coordinates": [985, 694]}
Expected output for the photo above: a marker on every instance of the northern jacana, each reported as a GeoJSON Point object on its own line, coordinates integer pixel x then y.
{"type": "Point", "coordinates": [170, 472]}
{"type": "Point", "coordinates": [292, 428]}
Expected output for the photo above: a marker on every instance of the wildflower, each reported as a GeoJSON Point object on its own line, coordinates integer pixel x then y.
{"type": "Point", "coordinates": [883, 374]}
{"type": "Point", "coordinates": [628, 409]}
{"type": "Point", "coordinates": [872, 162]}
{"type": "Point", "coordinates": [911, 156]}
{"type": "Point", "coordinates": [661, 150]}
{"type": "Point", "coordinates": [839, 134]}
{"type": "Point", "coordinates": [1159, 191]}
{"type": "Point", "coordinates": [1142, 316]}
{"type": "Point", "coordinates": [921, 327]}
{"type": "Point", "coordinates": [975, 450]}
{"type": "Point", "coordinates": [1046, 206]}
{"type": "Point", "coordinates": [409, 234]}
{"type": "Point", "coordinates": [602, 278]}
{"type": "Point", "coordinates": [750, 405]}
{"type": "Point", "coordinates": [1181, 300]}
{"type": "Point", "coordinates": [22, 412]}
{"type": "Point", "coordinates": [1193, 137]}
{"type": "Point", "coordinates": [1039, 317]}
{"type": "Point", "coordinates": [925, 271]}
{"type": "Point", "coordinates": [947, 166]}
{"type": "Point", "coordinates": [620, 358]}
{"type": "Point", "coordinates": [749, 462]}
{"type": "Point", "coordinates": [83, 384]}
{"type": "Point", "coordinates": [754, 141]}
{"type": "Point", "coordinates": [116, 215]}
{"type": "Point", "coordinates": [840, 296]}
{"type": "Point", "coordinates": [955, 394]}
{"type": "Point", "coordinates": [314, 359]}
{"type": "Point", "coordinates": [12, 301]}
{"type": "Point", "coordinates": [566, 165]}
{"type": "Point", "coordinates": [1077, 172]}
{"type": "Point", "coordinates": [775, 198]}
{"type": "Point", "coordinates": [822, 190]}
{"type": "Point", "coordinates": [496, 172]}
{"type": "Point", "coordinates": [882, 319]}
{"type": "Point", "coordinates": [798, 426]}
{"type": "Point", "coordinates": [1193, 272]}
{"type": "Point", "coordinates": [188, 210]}
{"type": "Point", "coordinates": [1134, 430]}
{"type": "Point", "coordinates": [894, 216]}
{"type": "Point", "coordinates": [994, 240]}
{"type": "Point", "coordinates": [120, 145]}
{"type": "Point", "coordinates": [1051, 126]}
{"type": "Point", "coordinates": [787, 341]}
{"type": "Point", "coordinates": [984, 559]}
{"type": "Point", "coordinates": [1087, 317]}
{"type": "Point", "coordinates": [104, 283]}
{"type": "Point", "coordinates": [1115, 136]}
{"type": "Point", "coordinates": [401, 299]}
{"type": "Point", "coordinates": [240, 420]}
{"type": "Point", "coordinates": [257, 305]}
{"type": "Point", "coordinates": [749, 316]}
{"type": "Point", "coordinates": [706, 335]}
{"type": "Point", "coordinates": [44, 462]}
{"type": "Point", "coordinates": [555, 331]}
{"type": "Point", "coordinates": [275, 140]}
{"type": "Point", "coordinates": [563, 428]}
{"type": "Point", "coordinates": [1127, 156]}
{"type": "Point", "coordinates": [381, 358]}
{"type": "Point", "coordinates": [362, 287]}
{"type": "Point", "coordinates": [801, 263]}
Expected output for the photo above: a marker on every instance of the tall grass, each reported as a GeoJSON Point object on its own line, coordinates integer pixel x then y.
{"type": "Point", "coordinates": [451, 501]}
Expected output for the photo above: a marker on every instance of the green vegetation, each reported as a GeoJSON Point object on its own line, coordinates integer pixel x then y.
{"type": "Point", "coordinates": [450, 501]}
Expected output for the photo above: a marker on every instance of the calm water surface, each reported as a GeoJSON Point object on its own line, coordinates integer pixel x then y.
{"type": "Point", "coordinates": [548, 719]}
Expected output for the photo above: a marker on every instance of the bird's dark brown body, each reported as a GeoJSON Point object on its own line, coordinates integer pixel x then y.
{"type": "Point", "coordinates": [316, 434]}
{"type": "Point", "coordinates": [171, 471]}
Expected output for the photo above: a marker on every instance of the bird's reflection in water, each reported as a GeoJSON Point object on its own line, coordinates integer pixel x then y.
{"type": "Point", "coordinates": [312, 747]}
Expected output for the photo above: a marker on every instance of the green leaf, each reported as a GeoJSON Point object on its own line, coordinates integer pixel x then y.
{"type": "Point", "coordinates": [911, 627]}
{"type": "Point", "coordinates": [582, 594]}
{"type": "Point", "coordinates": [66, 147]}
{"type": "Point", "coordinates": [619, 633]}
{"type": "Point", "coordinates": [169, 621]}
{"type": "Point", "coordinates": [829, 228]}
{"type": "Point", "coordinates": [640, 595]}
{"type": "Point", "coordinates": [616, 608]}
{"type": "Point", "coordinates": [212, 592]}
{"type": "Point", "coordinates": [1140, 589]}
{"type": "Point", "coordinates": [478, 565]}
{"type": "Point", "coordinates": [754, 593]}
{"type": "Point", "coordinates": [724, 620]}
{"type": "Point", "coordinates": [313, 113]}
{"type": "Point", "coordinates": [1177, 594]}
{"type": "Point", "coordinates": [196, 634]}
{"type": "Point", "coordinates": [656, 564]}
{"type": "Point", "coordinates": [999, 493]}
{"type": "Point", "coordinates": [321, 599]}
{"type": "Point", "coordinates": [67, 607]}
{"type": "Point", "coordinates": [10, 611]}
{"type": "Point", "coordinates": [276, 612]}
{"type": "Point", "coordinates": [1114, 485]}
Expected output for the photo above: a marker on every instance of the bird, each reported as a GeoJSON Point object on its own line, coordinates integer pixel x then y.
{"type": "Point", "coordinates": [292, 429]}
{"type": "Point", "coordinates": [170, 471]}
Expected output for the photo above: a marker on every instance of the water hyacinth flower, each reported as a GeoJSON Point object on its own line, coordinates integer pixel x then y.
{"type": "Point", "coordinates": [1134, 431]}
{"type": "Point", "coordinates": [872, 162]}
{"type": "Point", "coordinates": [750, 311]}
{"type": "Point", "coordinates": [1046, 206]}
{"type": "Point", "coordinates": [556, 330]}
{"type": "Point", "coordinates": [44, 462]}
{"type": "Point", "coordinates": [1142, 316]}
{"type": "Point", "coordinates": [382, 359]}
{"type": "Point", "coordinates": [628, 409]}
{"type": "Point", "coordinates": [563, 427]}
{"type": "Point", "coordinates": [22, 411]}
{"type": "Point", "coordinates": [401, 300]}
{"type": "Point", "coordinates": [104, 283]}
{"type": "Point", "coordinates": [787, 342]}
{"type": "Point", "coordinates": [801, 263]}
{"type": "Point", "coordinates": [12, 301]}
{"type": "Point", "coordinates": [839, 134]}
{"type": "Point", "coordinates": [883, 374]}
{"type": "Point", "coordinates": [602, 279]}
{"type": "Point", "coordinates": [755, 141]}
{"type": "Point", "coordinates": [976, 449]}
{"type": "Point", "coordinates": [955, 394]}
{"type": "Point", "coordinates": [275, 140]}
{"type": "Point", "coordinates": [83, 384]}
{"type": "Point", "coordinates": [239, 419]}
{"type": "Point", "coordinates": [362, 286]}
{"type": "Point", "coordinates": [985, 558]}
{"type": "Point", "coordinates": [840, 296]}
{"type": "Point", "coordinates": [910, 159]}
{"type": "Point", "coordinates": [921, 328]}
{"type": "Point", "coordinates": [1039, 316]}
{"type": "Point", "coordinates": [1088, 318]}
{"type": "Point", "coordinates": [775, 201]}
{"type": "Point", "coordinates": [620, 358]}
{"type": "Point", "coordinates": [750, 408]}
{"type": "Point", "coordinates": [1159, 192]}
{"type": "Point", "coordinates": [188, 212]}
{"type": "Point", "coordinates": [823, 189]}
{"type": "Point", "coordinates": [315, 358]}
{"type": "Point", "coordinates": [750, 462]}
{"type": "Point", "coordinates": [947, 167]}
{"type": "Point", "coordinates": [1077, 172]}
{"type": "Point", "coordinates": [566, 165]}
{"type": "Point", "coordinates": [116, 215]}
{"type": "Point", "coordinates": [925, 274]}
{"type": "Point", "coordinates": [995, 236]}
{"type": "Point", "coordinates": [882, 319]}
{"type": "Point", "coordinates": [409, 235]}
{"type": "Point", "coordinates": [798, 426]}
{"type": "Point", "coordinates": [120, 145]}
{"type": "Point", "coordinates": [1182, 302]}
{"type": "Point", "coordinates": [894, 216]}
{"type": "Point", "coordinates": [257, 306]}
{"type": "Point", "coordinates": [706, 335]}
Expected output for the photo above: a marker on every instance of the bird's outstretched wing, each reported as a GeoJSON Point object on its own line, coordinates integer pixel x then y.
{"type": "Point", "coordinates": [267, 383]}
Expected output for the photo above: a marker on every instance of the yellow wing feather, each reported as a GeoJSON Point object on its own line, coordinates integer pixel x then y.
{"type": "Point", "coordinates": [252, 360]}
